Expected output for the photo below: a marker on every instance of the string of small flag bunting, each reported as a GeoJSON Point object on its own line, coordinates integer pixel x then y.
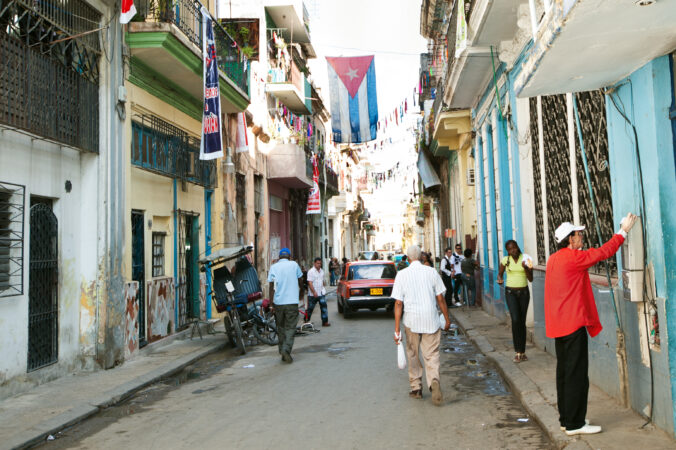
{"type": "Point", "coordinates": [397, 115]}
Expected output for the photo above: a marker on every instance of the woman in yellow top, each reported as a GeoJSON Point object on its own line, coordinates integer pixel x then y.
{"type": "Point", "coordinates": [519, 268]}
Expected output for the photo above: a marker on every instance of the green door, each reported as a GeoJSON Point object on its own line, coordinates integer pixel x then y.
{"type": "Point", "coordinates": [193, 271]}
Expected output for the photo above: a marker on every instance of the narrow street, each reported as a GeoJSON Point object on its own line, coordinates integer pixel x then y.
{"type": "Point", "coordinates": [342, 391]}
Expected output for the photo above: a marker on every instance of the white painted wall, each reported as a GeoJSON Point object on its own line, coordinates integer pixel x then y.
{"type": "Point", "coordinates": [43, 168]}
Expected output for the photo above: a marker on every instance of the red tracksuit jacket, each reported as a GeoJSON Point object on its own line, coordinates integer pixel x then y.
{"type": "Point", "coordinates": [569, 301]}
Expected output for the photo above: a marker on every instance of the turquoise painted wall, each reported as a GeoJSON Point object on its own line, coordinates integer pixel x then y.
{"type": "Point", "coordinates": [645, 98]}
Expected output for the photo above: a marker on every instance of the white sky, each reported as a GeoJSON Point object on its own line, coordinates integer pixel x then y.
{"type": "Point", "coordinates": [388, 29]}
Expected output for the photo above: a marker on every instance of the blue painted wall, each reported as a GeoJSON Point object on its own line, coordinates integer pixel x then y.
{"type": "Point", "coordinates": [645, 97]}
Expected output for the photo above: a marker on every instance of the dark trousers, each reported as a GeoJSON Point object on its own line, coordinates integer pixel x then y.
{"type": "Point", "coordinates": [448, 282]}
{"type": "Point", "coordinates": [517, 302]}
{"type": "Point", "coordinates": [470, 289]}
{"type": "Point", "coordinates": [312, 301]}
{"type": "Point", "coordinates": [457, 286]}
{"type": "Point", "coordinates": [572, 381]}
{"type": "Point", "coordinates": [286, 317]}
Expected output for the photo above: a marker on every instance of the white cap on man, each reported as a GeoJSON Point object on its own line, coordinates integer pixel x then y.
{"type": "Point", "coordinates": [565, 229]}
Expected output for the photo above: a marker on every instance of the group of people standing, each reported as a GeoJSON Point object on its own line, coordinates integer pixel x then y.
{"type": "Point", "coordinates": [457, 273]}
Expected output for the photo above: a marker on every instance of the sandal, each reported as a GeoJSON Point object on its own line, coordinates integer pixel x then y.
{"type": "Point", "coordinates": [524, 357]}
{"type": "Point", "coordinates": [517, 358]}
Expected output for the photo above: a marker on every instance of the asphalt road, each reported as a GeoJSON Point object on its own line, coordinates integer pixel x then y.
{"type": "Point", "coordinates": [342, 391]}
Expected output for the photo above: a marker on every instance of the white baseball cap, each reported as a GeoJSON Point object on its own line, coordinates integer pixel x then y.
{"type": "Point", "coordinates": [565, 229]}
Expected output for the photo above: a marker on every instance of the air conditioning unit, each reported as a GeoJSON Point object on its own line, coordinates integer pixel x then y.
{"type": "Point", "coordinates": [470, 177]}
{"type": "Point", "coordinates": [420, 218]}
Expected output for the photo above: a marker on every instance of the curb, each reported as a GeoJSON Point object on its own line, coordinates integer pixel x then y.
{"type": "Point", "coordinates": [83, 410]}
{"type": "Point", "coordinates": [522, 386]}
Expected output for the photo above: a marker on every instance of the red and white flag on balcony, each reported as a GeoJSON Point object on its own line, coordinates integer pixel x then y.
{"type": "Point", "coordinates": [242, 144]}
{"type": "Point", "coordinates": [128, 11]}
{"type": "Point", "coordinates": [314, 205]}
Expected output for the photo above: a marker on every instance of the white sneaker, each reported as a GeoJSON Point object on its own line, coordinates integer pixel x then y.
{"type": "Point", "coordinates": [458, 304]}
{"type": "Point", "coordinates": [586, 421]}
{"type": "Point", "coordinates": [587, 429]}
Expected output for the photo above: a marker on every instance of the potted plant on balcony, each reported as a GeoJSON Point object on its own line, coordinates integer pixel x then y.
{"type": "Point", "coordinates": [164, 10]}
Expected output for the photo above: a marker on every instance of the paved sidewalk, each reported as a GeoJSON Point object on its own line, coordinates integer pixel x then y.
{"type": "Point", "coordinates": [533, 382]}
{"type": "Point", "coordinates": [30, 417]}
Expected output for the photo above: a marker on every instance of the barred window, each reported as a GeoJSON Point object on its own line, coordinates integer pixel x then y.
{"type": "Point", "coordinates": [11, 239]}
{"type": "Point", "coordinates": [158, 254]}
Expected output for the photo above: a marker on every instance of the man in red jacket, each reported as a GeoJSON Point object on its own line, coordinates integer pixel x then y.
{"type": "Point", "coordinates": [570, 312]}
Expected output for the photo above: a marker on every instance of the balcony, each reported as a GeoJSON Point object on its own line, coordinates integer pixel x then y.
{"type": "Point", "coordinates": [159, 147]}
{"type": "Point", "coordinates": [288, 166]}
{"type": "Point", "coordinates": [338, 204]}
{"type": "Point", "coordinates": [487, 23]}
{"type": "Point", "coordinates": [452, 131]}
{"type": "Point", "coordinates": [584, 45]}
{"type": "Point", "coordinates": [289, 86]}
{"type": "Point", "coordinates": [330, 181]}
{"type": "Point", "coordinates": [49, 83]}
{"type": "Point", "coordinates": [293, 20]}
{"type": "Point", "coordinates": [165, 40]}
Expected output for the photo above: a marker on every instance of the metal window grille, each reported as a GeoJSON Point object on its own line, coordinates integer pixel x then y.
{"type": "Point", "coordinates": [158, 254]}
{"type": "Point", "coordinates": [470, 177]}
{"type": "Point", "coordinates": [12, 197]}
{"type": "Point", "coordinates": [592, 111]}
{"type": "Point", "coordinates": [160, 147]}
{"type": "Point", "coordinates": [50, 82]}
{"type": "Point", "coordinates": [557, 163]}
{"type": "Point", "coordinates": [537, 187]}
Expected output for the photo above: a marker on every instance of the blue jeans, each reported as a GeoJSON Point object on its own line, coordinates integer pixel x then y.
{"type": "Point", "coordinates": [470, 289]}
{"type": "Point", "coordinates": [312, 301]}
{"type": "Point", "coordinates": [333, 278]}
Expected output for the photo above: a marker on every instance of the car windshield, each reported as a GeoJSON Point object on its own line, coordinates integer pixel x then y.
{"type": "Point", "coordinates": [372, 272]}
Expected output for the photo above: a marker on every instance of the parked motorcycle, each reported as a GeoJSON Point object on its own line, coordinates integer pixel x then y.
{"type": "Point", "coordinates": [238, 293]}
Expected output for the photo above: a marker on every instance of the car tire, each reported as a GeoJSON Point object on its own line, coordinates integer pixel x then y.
{"type": "Point", "coordinates": [339, 303]}
{"type": "Point", "coordinates": [347, 311]}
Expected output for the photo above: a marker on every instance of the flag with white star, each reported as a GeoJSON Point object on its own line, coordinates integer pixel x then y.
{"type": "Point", "coordinates": [354, 104]}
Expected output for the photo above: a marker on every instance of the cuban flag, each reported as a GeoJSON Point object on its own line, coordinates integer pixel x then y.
{"type": "Point", "coordinates": [354, 104]}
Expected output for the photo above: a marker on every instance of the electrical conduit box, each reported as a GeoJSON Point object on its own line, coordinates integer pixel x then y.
{"type": "Point", "coordinates": [633, 264]}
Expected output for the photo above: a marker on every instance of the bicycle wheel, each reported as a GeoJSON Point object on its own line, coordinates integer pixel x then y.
{"type": "Point", "coordinates": [266, 332]}
{"type": "Point", "coordinates": [229, 330]}
{"type": "Point", "coordinates": [237, 328]}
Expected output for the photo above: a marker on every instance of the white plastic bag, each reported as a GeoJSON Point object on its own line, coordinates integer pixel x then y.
{"type": "Point", "coordinates": [442, 321]}
{"type": "Point", "coordinates": [401, 355]}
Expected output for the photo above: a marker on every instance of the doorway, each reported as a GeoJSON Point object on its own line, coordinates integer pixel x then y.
{"type": "Point", "coordinates": [43, 286]}
{"type": "Point", "coordinates": [138, 271]}
{"type": "Point", "coordinates": [188, 272]}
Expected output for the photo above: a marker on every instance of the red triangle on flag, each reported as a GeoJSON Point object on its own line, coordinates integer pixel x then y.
{"type": "Point", "coordinates": [351, 70]}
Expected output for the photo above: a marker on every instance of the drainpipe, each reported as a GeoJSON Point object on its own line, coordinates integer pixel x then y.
{"type": "Point", "coordinates": [175, 254]}
{"type": "Point", "coordinates": [207, 245]}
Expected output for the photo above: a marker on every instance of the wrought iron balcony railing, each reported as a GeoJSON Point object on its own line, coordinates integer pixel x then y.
{"type": "Point", "coordinates": [158, 146]}
{"type": "Point", "coordinates": [187, 16]}
{"type": "Point", "coordinates": [48, 77]}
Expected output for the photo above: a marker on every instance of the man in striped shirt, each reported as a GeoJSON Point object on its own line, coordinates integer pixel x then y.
{"type": "Point", "coordinates": [417, 291]}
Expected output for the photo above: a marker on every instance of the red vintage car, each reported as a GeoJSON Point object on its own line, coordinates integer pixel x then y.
{"type": "Point", "coordinates": [365, 285]}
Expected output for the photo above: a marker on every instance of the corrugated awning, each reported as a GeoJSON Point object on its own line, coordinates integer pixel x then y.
{"type": "Point", "coordinates": [427, 173]}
